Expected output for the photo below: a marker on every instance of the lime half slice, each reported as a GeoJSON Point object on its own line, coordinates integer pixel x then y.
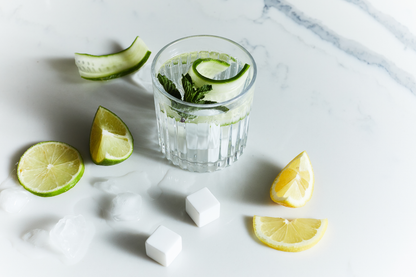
{"type": "Point", "coordinates": [110, 140]}
{"type": "Point", "coordinates": [203, 71]}
{"type": "Point", "coordinates": [50, 168]}
{"type": "Point", "coordinates": [106, 67]}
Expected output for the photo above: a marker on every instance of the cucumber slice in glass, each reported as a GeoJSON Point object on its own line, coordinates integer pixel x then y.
{"type": "Point", "coordinates": [203, 71]}
{"type": "Point", "coordinates": [106, 67]}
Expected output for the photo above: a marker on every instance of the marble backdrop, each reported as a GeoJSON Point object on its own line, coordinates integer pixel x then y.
{"type": "Point", "coordinates": [335, 78]}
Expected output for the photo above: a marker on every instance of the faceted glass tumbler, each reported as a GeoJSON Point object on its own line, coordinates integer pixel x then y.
{"type": "Point", "coordinates": [202, 137]}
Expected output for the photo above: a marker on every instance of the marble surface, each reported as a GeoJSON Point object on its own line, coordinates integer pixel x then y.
{"type": "Point", "coordinates": [336, 78]}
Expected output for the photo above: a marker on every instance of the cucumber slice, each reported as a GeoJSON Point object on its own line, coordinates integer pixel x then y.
{"type": "Point", "coordinates": [106, 67]}
{"type": "Point", "coordinates": [210, 67]}
{"type": "Point", "coordinates": [202, 72]}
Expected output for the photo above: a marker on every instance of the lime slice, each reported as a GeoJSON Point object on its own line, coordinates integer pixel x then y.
{"type": "Point", "coordinates": [106, 67]}
{"type": "Point", "coordinates": [110, 140]}
{"type": "Point", "coordinates": [50, 168]}
{"type": "Point", "coordinates": [203, 71]}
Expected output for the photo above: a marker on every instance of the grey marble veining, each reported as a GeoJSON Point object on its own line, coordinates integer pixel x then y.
{"type": "Point", "coordinates": [349, 46]}
{"type": "Point", "coordinates": [402, 33]}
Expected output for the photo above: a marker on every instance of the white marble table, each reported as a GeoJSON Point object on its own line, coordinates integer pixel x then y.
{"type": "Point", "coordinates": [336, 78]}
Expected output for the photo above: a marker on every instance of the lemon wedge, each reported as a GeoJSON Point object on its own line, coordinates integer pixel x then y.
{"type": "Point", "coordinates": [293, 186]}
{"type": "Point", "coordinates": [289, 235]}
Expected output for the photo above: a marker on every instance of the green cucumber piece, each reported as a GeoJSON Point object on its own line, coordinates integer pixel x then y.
{"type": "Point", "coordinates": [203, 70]}
{"type": "Point", "coordinates": [106, 67]}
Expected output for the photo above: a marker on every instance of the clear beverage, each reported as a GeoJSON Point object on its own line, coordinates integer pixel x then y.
{"type": "Point", "coordinates": [202, 137]}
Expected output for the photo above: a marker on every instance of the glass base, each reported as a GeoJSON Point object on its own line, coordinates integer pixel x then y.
{"type": "Point", "coordinates": [202, 147]}
{"type": "Point", "coordinates": [204, 167]}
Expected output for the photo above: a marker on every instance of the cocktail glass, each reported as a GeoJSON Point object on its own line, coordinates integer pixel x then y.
{"type": "Point", "coordinates": [202, 137]}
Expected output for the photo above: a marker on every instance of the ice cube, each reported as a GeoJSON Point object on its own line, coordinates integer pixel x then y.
{"type": "Point", "coordinates": [126, 207]}
{"type": "Point", "coordinates": [12, 200]}
{"type": "Point", "coordinates": [202, 207]}
{"type": "Point", "coordinates": [135, 182]}
{"type": "Point", "coordinates": [37, 237]}
{"type": "Point", "coordinates": [163, 245]}
{"type": "Point", "coordinates": [11, 181]}
{"type": "Point", "coordinates": [108, 186]}
{"type": "Point", "coordinates": [34, 244]}
{"type": "Point", "coordinates": [177, 182]}
{"type": "Point", "coordinates": [72, 236]}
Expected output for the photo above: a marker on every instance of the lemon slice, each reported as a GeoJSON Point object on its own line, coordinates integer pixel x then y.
{"type": "Point", "coordinates": [293, 186]}
{"type": "Point", "coordinates": [50, 168]}
{"type": "Point", "coordinates": [289, 235]}
{"type": "Point", "coordinates": [106, 67]}
{"type": "Point", "coordinates": [203, 72]}
{"type": "Point", "coordinates": [110, 140]}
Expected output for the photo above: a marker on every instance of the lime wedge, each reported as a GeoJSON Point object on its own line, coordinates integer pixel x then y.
{"type": "Point", "coordinates": [203, 71]}
{"type": "Point", "coordinates": [110, 140]}
{"type": "Point", "coordinates": [50, 168]}
{"type": "Point", "coordinates": [106, 67]}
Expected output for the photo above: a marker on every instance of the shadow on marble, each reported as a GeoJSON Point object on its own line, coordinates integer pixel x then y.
{"type": "Point", "coordinates": [255, 182]}
{"type": "Point", "coordinates": [16, 157]}
{"type": "Point", "coordinates": [45, 223]}
{"type": "Point", "coordinates": [66, 69]}
{"type": "Point", "coordinates": [172, 205]}
{"type": "Point", "coordinates": [131, 243]}
{"type": "Point", "coordinates": [248, 221]}
{"type": "Point", "coordinates": [130, 97]}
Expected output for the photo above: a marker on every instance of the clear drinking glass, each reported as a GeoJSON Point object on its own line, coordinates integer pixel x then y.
{"type": "Point", "coordinates": [202, 137]}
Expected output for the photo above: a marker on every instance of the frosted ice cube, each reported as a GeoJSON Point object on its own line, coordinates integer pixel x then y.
{"type": "Point", "coordinates": [108, 186]}
{"type": "Point", "coordinates": [135, 182]}
{"type": "Point", "coordinates": [72, 236]}
{"type": "Point", "coordinates": [177, 182]}
{"type": "Point", "coordinates": [37, 237]}
{"type": "Point", "coordinates": [34, 244]}
{"type": "Point", "coordinates": [126, 207]}
{"type": "Point", "coordinates": [12, 200]}
{"type": "Point", "coordinates": [11, 181]}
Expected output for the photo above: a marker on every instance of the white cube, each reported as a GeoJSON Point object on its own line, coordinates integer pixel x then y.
{"type": "Point", "coordinates": [202, 207]}
{"type": "Point", "coordinates": [163, 245]}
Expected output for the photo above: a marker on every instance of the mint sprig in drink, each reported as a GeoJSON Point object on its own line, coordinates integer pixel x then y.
{"type": "Point", "coordinates": [203, 88]}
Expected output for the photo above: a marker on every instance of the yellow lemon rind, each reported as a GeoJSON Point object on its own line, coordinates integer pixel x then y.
{"type": "Point", "coordinates": [295, 247]}
{"type": "Point", "coordinates": [291, 202]}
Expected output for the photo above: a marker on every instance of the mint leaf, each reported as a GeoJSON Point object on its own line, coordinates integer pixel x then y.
{"type": "Point", "coordinates": [221, 108]}
{"type": "Point", "coordinates": [188, 87]}
{"type": "Point", "coordinates": [192, 94]}
{"type": "Point", "coordinates": [169, 86]}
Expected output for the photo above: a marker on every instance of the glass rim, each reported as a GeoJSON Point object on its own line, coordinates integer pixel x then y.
{"type": "Point", "coordinates": [227, 102]}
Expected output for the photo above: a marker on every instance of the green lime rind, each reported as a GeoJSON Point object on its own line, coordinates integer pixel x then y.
{"type": "Point", "coordinates": [59, 190]}
{"type": "Point", "coordinates": [113, 160]}
{"type": "Point", "coordinates": [115, 65]}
